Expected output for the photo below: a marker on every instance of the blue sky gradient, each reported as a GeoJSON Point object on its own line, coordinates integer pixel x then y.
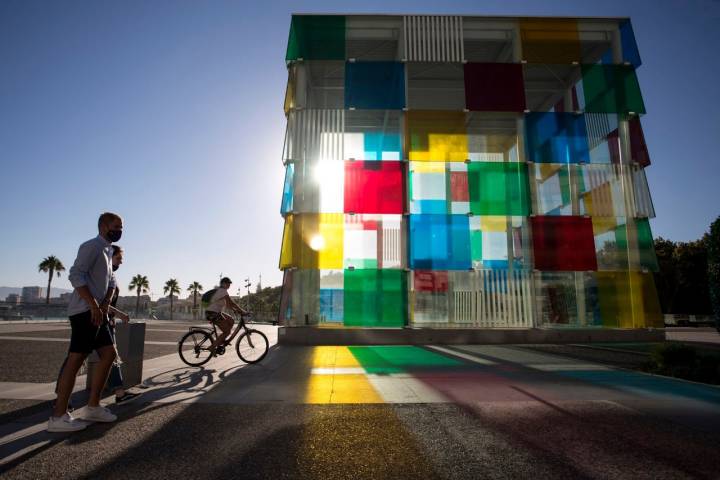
{"type": "Point", "coordinates": [170, 113]}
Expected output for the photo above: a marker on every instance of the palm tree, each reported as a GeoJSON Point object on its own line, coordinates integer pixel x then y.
{"type": "Point", "coordinates": [195, 288]}
{"type": "Point", "coordinates": [172, 287]}
{"type": "Point", "coordinates": [51, 265]}
{"type": "Point", "coordinates": [141, 284]}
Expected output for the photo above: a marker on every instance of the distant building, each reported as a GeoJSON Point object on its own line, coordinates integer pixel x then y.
{"type": "Point", "coordinates": [32, 294]}
{"type": "Point", "coordinates": [63, 299]}
{"type": "Point", "coordinates": [13, 298]}
{"type": "Point", "coordinates": [128, 303]}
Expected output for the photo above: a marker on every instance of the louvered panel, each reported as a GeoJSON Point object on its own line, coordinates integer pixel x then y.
{"type": "Point", "coordinates": [643, 201]}
{"type": "Point", "coordinates": [495, 299]}
{"type": "Point", "coordinates": [315, 135]}
{"type": "Point", "coordinates": [598, 128]}
{"type": "Point", "coordinates": [433, 38]}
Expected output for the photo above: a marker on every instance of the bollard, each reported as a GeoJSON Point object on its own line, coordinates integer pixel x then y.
{"type": "Point", "coordinates": [130, 340]}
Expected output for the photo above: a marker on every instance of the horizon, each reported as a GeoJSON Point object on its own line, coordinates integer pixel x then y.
{"type": "Point", "coordinates": [170, 114]}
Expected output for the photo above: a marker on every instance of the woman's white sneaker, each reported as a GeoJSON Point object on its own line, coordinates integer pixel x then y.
{"type": "Point", "coordinates": [66, 423]}
{"type": "Point", "coordinates": [99, 414]}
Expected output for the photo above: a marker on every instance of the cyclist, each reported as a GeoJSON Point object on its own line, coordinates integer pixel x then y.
{"type": "Point", "coordinates": [214, 312]}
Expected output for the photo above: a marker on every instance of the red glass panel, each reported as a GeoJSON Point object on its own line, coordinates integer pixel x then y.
{"type": "Point", "coordinates": [459, 187]}
{"type": "Point", "coordinates": [374, 187]}
{"type": "Point", "coordinates": [431, 281]}
{"type": "Point", "coordinates": [563, 243]}
{"type": "Point", "coordinates": [638, 147]}
{"type": "Point", "coordinates": [494, 87]}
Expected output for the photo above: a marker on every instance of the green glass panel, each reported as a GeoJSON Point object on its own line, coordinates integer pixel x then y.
{"type": "Point", "coordinates": [565, 185]}
{"type": "Point", "coordinates": [375, 298]}
{"type": "Point", "coordinates": [498, 188]}
{"type": "Point", "coordinates": [645, 257]}
{"type": "Point", "coordinates": [316, 37]}
{"type": "Point", "coordinates": [399, 359]}
{"type": "Point", "coordinates": [611, 89]}
{"type": "Point", "coordinates": [476, 241]}
{"type": "Point", "coordinates": [361, 262]}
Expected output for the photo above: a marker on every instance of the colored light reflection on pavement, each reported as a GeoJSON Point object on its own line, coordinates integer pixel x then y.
{"type": "Point", "coordinates": [347, 374]}
{"type": "Point", "coordinates": [330, 381]}
{"type": "Point", "coordinates": [399, 359]}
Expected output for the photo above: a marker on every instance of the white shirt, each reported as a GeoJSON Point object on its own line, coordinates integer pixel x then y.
{"type": "Point", "coordinates": [217, 302]}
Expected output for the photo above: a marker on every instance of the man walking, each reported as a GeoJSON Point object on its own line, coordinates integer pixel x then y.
{"type": "Point", "coordinates": [92, 278]}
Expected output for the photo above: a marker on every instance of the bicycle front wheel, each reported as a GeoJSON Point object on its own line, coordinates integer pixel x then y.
{"type": "Point", "coordinates": [252, 346]}
{"type": "Point", "coordinates": [194, 348]}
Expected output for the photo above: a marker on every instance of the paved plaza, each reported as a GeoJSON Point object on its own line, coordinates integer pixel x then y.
{"type": "Point", "coordinates": [363, 412]}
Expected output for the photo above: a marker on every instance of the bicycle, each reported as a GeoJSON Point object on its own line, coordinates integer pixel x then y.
{"type": "Point", "coordinates": [194, 346]}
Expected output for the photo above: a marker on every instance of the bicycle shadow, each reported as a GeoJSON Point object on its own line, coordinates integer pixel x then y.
{"type": "Point", "coordinates": [27, 437]}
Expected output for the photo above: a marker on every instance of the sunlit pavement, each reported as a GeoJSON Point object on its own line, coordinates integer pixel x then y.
{"type": "Point", "coordinates": [381, 412]}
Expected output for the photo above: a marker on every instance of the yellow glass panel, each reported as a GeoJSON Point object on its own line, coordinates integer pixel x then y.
{"type": "Point", "coordinates": [330, 256]}
{"type": "Point", "coordinates": [286, 250]}
{"type": "Point", "coordinates": [547, 170]}
{"type": "Point", "coordinates": [290, 91]}
{"type": "Point", "coordinates": [547, 40]}
{"type": "Point", "coordinates": [428, 167]}
{"type": "Point", "coordinates": [599, 201]}
{"type": "Point", "coordinates": [436, 136]}
{"type": "Point", "coordinates": [603, 224]}
{"type": "Point", "coordinates": [493, 224]}
{"type": "Point", "coordinates": [313, 241]}
{"type": "Point", "coordinates": [628, 300]}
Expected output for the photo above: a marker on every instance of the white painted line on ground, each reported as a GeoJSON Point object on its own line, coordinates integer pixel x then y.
{"type": "Point", "coordinates": [567, 367]}
{"type": "Point", "coordinates": [7, 454]}
{"type": "Point", "coordinates": [52, 339]}
{"type": "Point", "coordinates": [42, 339]}
{"type": "Point", "coordinates": [464, 356]}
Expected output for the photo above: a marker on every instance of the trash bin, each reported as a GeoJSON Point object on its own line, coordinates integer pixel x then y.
{"type": "Point", "coordinates": [130, 339]}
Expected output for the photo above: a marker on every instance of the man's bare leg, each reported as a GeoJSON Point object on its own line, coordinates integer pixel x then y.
{"type": "Point", "coordinates": [66, 383]}
{"type": "Point", "coordinates": [225, 324]}
{"type": "Point", "coordinates": [102, 370]}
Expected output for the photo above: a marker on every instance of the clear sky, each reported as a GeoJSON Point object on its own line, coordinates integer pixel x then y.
{"type": "Point", "coordinates": [170, 113]}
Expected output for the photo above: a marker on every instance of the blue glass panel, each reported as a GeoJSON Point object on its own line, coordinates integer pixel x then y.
{"type": "Point", "coordinates": [428, 206]}
{"type": "Point", "coordinates": [375, 85]}
{"type": "Point", "coordinates": [287, 196]}
{"type": "Point", "coordinates": [378, 143]}
{"type": "Point", "coordinates": [439, 242]}
{"type": "Point", "coordinates": [331, 304]}
{"type": "Point", "coordinates": [556, 138]}
{"type": "Point", "coordinates": [629, 47]}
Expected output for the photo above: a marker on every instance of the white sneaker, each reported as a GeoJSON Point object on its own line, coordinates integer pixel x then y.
{"type": "Point", "coordinates": [66, 423]}
{"type": "Point", "coordinates": [98, 414]}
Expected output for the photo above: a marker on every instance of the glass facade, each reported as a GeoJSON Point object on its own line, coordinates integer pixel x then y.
{"type": "Point", "coordinates": [446, 171]}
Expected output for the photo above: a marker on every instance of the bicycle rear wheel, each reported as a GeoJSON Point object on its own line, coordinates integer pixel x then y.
{"type": "Point", "coordinates": [194, 347]}
{"type": "Point", "coordinates": [252, 346]}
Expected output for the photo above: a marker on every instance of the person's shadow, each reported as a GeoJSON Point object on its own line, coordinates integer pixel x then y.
{"type": "Point", "coordinates": [27, 436]}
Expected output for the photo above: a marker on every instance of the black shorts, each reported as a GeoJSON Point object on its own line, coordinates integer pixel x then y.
{"type": "Point", "coordinates": [85, 336]}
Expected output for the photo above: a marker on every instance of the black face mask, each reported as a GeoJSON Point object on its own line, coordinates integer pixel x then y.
{"type": "Point", "coordinates": [114, 235]}
{"type": "Point", "coordinates": [115, 267]}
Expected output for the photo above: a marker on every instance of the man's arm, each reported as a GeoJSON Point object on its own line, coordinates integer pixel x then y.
{"type": "Point", "coordinates": [119, 313]}
{"type": "Point", "coordinates": [230, 303]}
{"type": "Point", "coordinates": [78, 279]}
{"type": "Point", "coordinates": [108, 297]}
